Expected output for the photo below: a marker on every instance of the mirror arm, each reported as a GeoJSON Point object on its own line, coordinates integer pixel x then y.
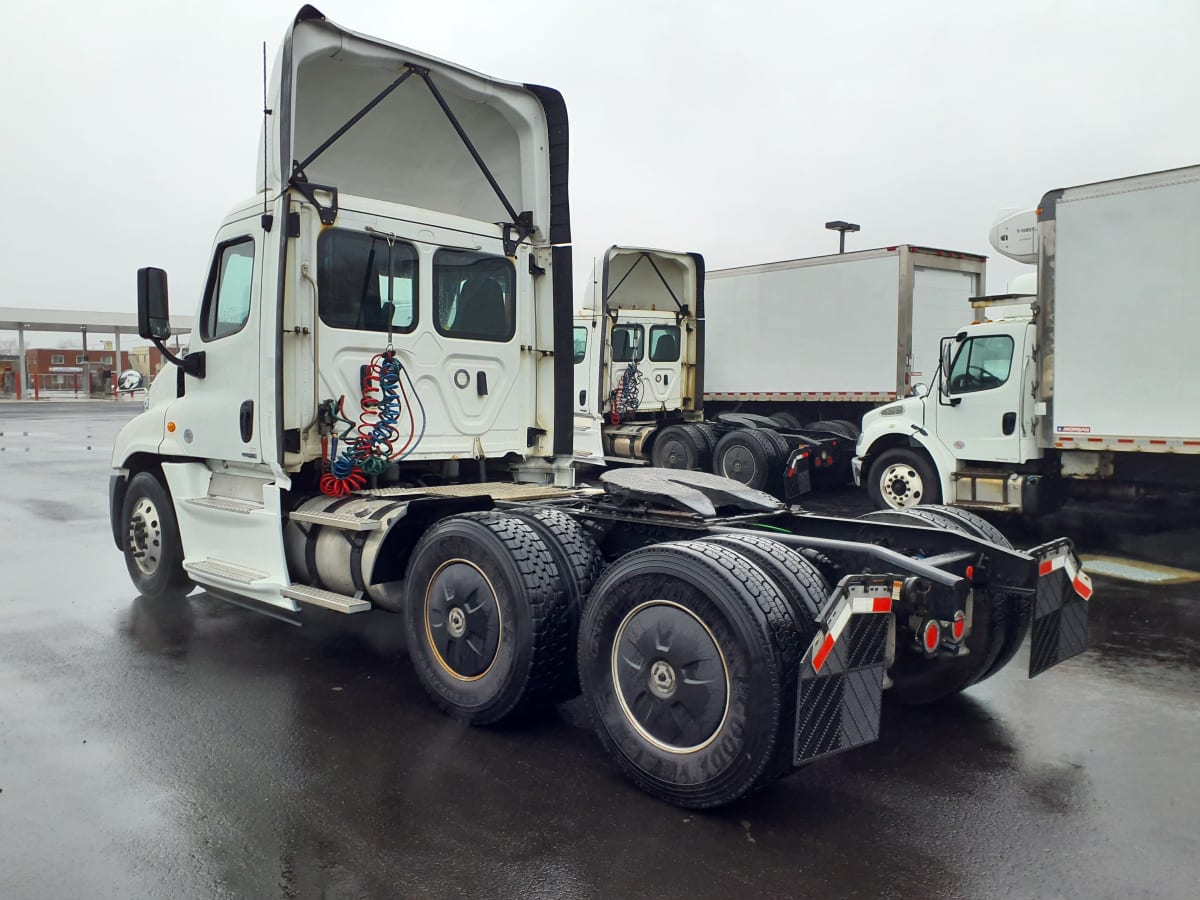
{"type": "Point", "coordinates": [192, 364]}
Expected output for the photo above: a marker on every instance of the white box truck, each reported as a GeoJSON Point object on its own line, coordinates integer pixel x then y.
{"type": "Point", "coordinates": [831, 337]}
{"type": "Point", "coordinates": [1080, 392]}
{"type": "Point", "coordinates": [384, 344]}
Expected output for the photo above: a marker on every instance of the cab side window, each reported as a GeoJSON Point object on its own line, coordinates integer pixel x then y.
{"type": "Point", "coordinates": [664, 343]}
{"type": "Point", "coordinates": [580, 337]}
{"type": "Point", "coordinates": [474, 295]}
{"type": "Point", "coordinates": [982, 363]}
{"type": "Point", "coordinates": [627, 341]}
{"type": "Point", "coordinates": [358, 274]}
{"type": "Point", "coordinates": [227, 297]}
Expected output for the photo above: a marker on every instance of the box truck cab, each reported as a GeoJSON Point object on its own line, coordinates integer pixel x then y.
{"type": "Point", "coordinates": [1073, 390]}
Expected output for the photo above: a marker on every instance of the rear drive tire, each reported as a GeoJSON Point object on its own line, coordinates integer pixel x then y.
{"type": "Point", "coordinates": [748, 456]}
{"type": "Point", "coordinates": [798, 580]}
{"type": "Point", "coordinates": [709, 434]}
{"type": "Point", "coordinates": [917, 679]}
{"type": "Point", "coordinates": [1020, 608]}
{"type": "Point", "coordinates": [901, 478]}
{"type": "Point", "coordinates": [689, 660]}
{"type": "Point", "coordinates": [579, 563]}
{"type": "Point", "coordinates": [678, 447]}
{"type": "Point", "coordinates": [487, 618]}
{"type": "Point", "coordinates": [150, 539]}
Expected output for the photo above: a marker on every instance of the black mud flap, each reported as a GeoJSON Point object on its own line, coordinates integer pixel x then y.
{"type": "Point", "coordinates": [797, 476]}
{"type": "Point", "coordinates": [841, 675]}
{"type": "Point", "coordinates": [1060, 611]}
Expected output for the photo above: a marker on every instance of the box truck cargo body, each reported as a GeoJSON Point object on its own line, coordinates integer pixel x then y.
{"type": "Point", "coordinates": [833, 336]}
{"type": "Point", "coordinates": [1085, 391]}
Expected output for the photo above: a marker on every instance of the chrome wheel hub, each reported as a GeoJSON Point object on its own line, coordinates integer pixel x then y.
{"type": "Point", "coordinates": [145, 536]}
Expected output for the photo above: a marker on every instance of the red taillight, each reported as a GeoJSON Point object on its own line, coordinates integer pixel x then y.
{"type": "Point", "coordinates": [959, 627]}
{"type": "Point", "coordinates": [971, 573]}
{"type": "Point", "coordinates": [931, 636]}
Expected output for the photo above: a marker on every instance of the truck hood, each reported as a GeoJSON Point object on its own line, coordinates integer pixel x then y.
{"type": "Point", "coordinates": [406, 149]}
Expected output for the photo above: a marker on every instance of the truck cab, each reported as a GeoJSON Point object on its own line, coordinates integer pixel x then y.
{"type": "Point", "coordinates": [392, 307]}
{"type": "Point", "coordinates": [639, 346]}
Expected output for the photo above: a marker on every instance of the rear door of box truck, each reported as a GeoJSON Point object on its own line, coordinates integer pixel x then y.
{"type": "Point", "coordinates": [943, 282]}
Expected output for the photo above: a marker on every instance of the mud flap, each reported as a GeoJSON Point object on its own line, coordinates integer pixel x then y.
{"type": "Point", "coordinates": [841, 675]}
{"type": "Point", "coordinates": [1060, 611]}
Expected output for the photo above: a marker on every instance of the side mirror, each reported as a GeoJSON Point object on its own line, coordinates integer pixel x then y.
{"type": "Point", "coordinates": [154, 315]}
{"type": "Point", "coordinates": [947, 346]}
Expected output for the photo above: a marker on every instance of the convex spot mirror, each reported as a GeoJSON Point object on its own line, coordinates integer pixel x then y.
{"type": "Point", "coordinates": [154, 315]}
{"type": "Point", "coordinates": [920, 389]}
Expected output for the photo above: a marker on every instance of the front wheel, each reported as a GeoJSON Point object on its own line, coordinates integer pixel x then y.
{"type": "Point", "coordinates": [150, 539]}
{"type": "Point", "coordinates": [901, 478]}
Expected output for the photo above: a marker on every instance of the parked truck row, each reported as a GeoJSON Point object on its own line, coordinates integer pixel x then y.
{"type": "Point", "coordinates": [376, 416]}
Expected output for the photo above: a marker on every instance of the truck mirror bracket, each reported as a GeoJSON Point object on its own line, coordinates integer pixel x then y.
{"type": "Point", "coordinates": [193, 364]}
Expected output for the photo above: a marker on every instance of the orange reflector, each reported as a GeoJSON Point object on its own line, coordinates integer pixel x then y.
{"type": "Point", "coordinates": [171, 426]}
{"type": "Point", "coordinates": [882, 605]}
{"type": "Point", "coordinates": [823, 653]}
{"type": "Point", "coordinates": [1046, 567]}
{"type": "Point", "coordinates": [932, 636]}
{"type": "Point", "coordinates": [971, 572]}
{"type": "Point", "coordinates": [959, 627]}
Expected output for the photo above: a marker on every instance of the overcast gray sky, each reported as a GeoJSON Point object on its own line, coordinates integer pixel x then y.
{"type": "Point", "coordinates": [735, 129]}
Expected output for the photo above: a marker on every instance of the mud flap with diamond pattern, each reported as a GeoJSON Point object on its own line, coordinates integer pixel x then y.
{"type": "Point", "coordinates": [841, 675]}
{"type": "Point", "coordinates": [1060, 612]}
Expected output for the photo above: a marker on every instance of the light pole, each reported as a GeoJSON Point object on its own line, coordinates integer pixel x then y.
{"type": "Point", "coordinates": [842, 228]}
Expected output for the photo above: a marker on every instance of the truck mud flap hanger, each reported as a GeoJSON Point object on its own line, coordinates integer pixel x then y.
{"type": "Point", "coordinates": [515, 231]}
{"type": "Point", "coordinates": [1060, 609]}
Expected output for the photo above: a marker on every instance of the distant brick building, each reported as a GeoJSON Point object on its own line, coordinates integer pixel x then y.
{"type": "Point", "coordinates": [41, 362]}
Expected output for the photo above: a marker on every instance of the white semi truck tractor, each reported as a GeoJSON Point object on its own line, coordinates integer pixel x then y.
{"type": "Point", "coordinates": [1072, 385]}
{"type": "Point", "coordinates": [376, 418]}
{"type": "Point", "coordinates": [641, 351]}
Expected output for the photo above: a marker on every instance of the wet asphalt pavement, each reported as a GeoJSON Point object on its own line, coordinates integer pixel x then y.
{"type": "Point", "coordinates": [195, 749]}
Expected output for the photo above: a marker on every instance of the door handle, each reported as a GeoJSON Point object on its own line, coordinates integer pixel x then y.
{"type": "Point", "coordinates": [1009, 422]}
{"type": "Point", "coordinates": [246, 421]}
{"type": "Point", "coordinates": [582, 398]}
{"type": "Point", "coordinates": [481, 383]}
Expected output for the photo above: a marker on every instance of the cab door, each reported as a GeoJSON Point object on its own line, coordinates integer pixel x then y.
{"type": "Point", "coordinates": [980, 418]}
{"type": "Point", "coordinates": [218, 417]}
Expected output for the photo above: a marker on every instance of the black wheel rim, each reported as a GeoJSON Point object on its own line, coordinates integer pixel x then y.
{"type": "Point", "coordinates": [670, 677]}
{"type": "Point", "coordinates": [462, 619]}
{"type": "Point", "coordinates": [738, 463]}
{"type": "Point", "coordinates": [674, 454]}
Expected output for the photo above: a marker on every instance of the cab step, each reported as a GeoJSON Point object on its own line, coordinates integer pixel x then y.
{"type": "Point", "coordinates": [327, 599]}
{"type": "Point", "coordinates": [336, 520]}
{"type": "Point", "coordinates": [224, 571]}
{"type": "Point", "coordinates": [228, 504]}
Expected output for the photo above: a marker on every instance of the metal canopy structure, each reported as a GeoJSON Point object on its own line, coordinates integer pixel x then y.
{"type": "Point", "coordinates": [23, 319]}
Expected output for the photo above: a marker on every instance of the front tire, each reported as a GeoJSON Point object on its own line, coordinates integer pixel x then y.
{"type": "Point", "coordinates": [902, 478]}
{"type": "Point", "coordinates": [689, 659]}
{"type": "Point", "coordinates": [150, 539]}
